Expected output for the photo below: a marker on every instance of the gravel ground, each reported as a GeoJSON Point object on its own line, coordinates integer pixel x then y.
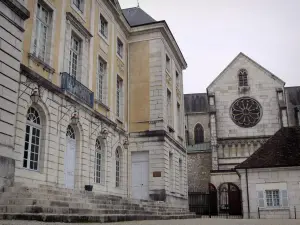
{"type": "Point", "coordinates": [171, 222]}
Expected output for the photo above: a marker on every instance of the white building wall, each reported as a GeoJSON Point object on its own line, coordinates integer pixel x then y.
{"type": "Point", "coordinates": [272, 178]}
{"type": "Point", "coordinates": [56, 113]}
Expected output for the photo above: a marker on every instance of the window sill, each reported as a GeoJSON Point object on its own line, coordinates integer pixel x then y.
{"type": "Point", "coordinates": [274, 209]}
{"type": "Point", "coordinates": [31, 170]}
{"type": "Point", "coordinates": [105, 39]}
{"type": "Point", "coordinates": [37, 60]}
{"type": "Point", "coordinates": [180, 138]}
{"type": "Point", "coordinates": [102, 104]}
{"type": "Point", "coordinates": [120, 57]}
{"type": "Point", "coordinates": [243, 89]}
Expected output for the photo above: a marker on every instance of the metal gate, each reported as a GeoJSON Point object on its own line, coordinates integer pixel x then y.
{"type": "Point", "coordinates": [229, 200]}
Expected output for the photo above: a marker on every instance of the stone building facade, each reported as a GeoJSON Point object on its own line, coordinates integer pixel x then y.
{"type": "Point", "coordinates": [88, 84]}
{"type": "Point", "coordinates": [243, 107]}
{"type": "Point", "coordinates": [12, 17]}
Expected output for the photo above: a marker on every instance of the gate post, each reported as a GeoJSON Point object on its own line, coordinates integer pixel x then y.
{"type": "Point", "coordinates": [209, 212]}
{"type": "Point", "coordinates": [258, 213]}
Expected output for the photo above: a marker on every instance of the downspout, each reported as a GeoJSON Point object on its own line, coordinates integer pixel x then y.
{"type": "Point", "coordinates": [187, 121]}
{"type": "Point", "coordinates": [128, 122]}
{"type": "Point", "coordinates": [247, 193]}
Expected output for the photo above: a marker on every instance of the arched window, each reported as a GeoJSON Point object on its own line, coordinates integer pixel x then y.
{"type": "Point", "coordinates": [198, 134]}
{"type": "Point", "coordinates": [118, 166]}
{"type": "Point", "coordinates": [70, 132]}
{"type": "Point", "coordinates": [243, 77]}
{"type": "Point", "coordinates": [32, 140]}
{"type": "Point", "coordinates": [99, 162]}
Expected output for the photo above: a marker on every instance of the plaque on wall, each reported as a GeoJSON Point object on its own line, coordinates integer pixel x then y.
{"type": "Point", "coordinates": [156, 174]}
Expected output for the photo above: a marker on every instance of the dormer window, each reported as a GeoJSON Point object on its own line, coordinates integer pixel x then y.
{"type": "Point", "coordinates": [243, 78]}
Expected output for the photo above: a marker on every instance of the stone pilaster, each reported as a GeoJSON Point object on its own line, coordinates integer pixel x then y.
{"type": "Point", "coordinates": [213, 131]}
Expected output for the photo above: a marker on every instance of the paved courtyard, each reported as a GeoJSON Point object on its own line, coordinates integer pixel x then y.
{"type": "Point", "coordinates": [172, 222]}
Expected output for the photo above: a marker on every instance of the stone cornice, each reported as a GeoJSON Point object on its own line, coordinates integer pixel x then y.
{"type": "Point", "coordinates": [77, 24]}
{"type": "Point", "coordinates": [17, 8]}
{"type": "Point", "coordinates": [162, 134]}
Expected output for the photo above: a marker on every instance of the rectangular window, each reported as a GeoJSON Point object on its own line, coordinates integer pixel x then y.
{"type": "Point", "coordinates": [98, 159]}
{"type": "Point", "coordinates": [178, 119]}
{"type": "Point", "coordinates": [177, 80]}
{"type": "Point", "coordinates": [120, 48]}
{"type": "Point", "coordinates": [119, 96]}
{"type": "Point", "coordinates": [103, 26]}
{"type": "Point", "coordinates": [169, 107]}
{"type": "Point", "coordinates": [43, 17]}
{"type": "Point", "coordinates": [101, 73]}
{"type": "Point", "coordinates": [79, 4]}
{"type": "Point", "coordinates": [74, 56]}
{"type": "Point", "coordinates": [168, 63]}
{"type": "Point", "coordinates": [272, 198]}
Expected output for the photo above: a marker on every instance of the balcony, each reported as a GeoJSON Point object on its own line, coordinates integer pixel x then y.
{"type": "Point", "coordinates": [74, 87]}
{"type": "Point", "coordinates": [203, 147]}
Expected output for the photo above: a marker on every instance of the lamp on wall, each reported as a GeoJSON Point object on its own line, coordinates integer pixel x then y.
{"type": "Point", "coordinates": [104, 133]}
{"type": "Point", "coordinates": [126, 143]}
{"type": "Point", "coordinates": [35, 96]}
{"type": "Point", "coordinates": [75, 118]}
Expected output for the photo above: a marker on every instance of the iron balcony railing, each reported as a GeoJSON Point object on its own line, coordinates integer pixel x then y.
{"type": "Point", "coordinates": [73, 86]}
{"type": "Point", "coordinates": [199, 147]}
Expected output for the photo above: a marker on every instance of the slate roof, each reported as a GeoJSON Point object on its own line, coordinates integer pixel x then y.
{"type": "Point", "coordinates": [197, 102]}
{"type": "Point", "coordinates": [136, 16]}
{"type": "Point", "coordinates": [281, 150]}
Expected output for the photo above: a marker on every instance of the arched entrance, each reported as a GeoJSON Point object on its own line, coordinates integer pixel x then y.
{"type": "Point", "coordinates": [213, 199]}
{"type": "Point", "coordinates": [70, 157]}
{"type": "Point", "coordinates": [230, 199]}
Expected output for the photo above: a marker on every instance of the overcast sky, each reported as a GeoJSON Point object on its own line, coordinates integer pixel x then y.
{"type": "Point", "coordinates": [211, 33]}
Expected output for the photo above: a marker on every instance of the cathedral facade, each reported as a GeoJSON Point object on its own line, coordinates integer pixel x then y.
{"type": "Point", "coordinates": [243, 107]}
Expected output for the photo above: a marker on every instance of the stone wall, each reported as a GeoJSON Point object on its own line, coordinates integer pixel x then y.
{"type": "Point", "coordinates": [12, 18]}
{"type": "Point", "coordinates": [7, 171]}
{"type": "Point", "coordinates": [199, 166]}
{"type": "Point", "coordinates": [55, 110]}
{"type": "Point", "coordinates": [191, 120]}
{"type": "Point", "coordinates": [274, 178]}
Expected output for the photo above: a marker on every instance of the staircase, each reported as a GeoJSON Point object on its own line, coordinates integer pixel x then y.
{"type": "Point", "coordinates": [52, 204]}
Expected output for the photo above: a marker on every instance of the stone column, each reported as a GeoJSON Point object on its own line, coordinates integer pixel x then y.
{"type": "Point", "coordinates": [213, 131]}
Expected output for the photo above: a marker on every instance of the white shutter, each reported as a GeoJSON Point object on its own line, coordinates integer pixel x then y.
{"type": "Point", "coordinates": [260, 199]}
{"type": "Point", "coordinates": [284, 198]}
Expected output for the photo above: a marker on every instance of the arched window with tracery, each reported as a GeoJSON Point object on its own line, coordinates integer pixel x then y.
{"type": "Point", "coordinates": [118, 166]}
{"type": "Point", "coordinates": [32, 140]}
{"type": "Point", "coordinates": [243, 77]}
{"type": "Point", "coordinates": [99, 162]}
{"type": "Point", "coordinates": [198, 134]}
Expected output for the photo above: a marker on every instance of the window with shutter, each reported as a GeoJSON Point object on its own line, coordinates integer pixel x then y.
{"type": "Point", "coordinates": [260, 198]}
{"type": "Point", "coordinates": [284, 198]}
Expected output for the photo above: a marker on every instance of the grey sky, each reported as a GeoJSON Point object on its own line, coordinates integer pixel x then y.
{"type": "Point", "coordinates": [211, 33]}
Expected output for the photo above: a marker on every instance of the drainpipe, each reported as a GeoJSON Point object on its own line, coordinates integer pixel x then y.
{"type": "Point", "coordinates": [128, 122]}
{"type": "Point", "coordinates": [187, 125]}
{"type": "Point", "coordinates": [247, 194]}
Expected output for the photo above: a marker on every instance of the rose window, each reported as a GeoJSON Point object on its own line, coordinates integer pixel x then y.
{"type": "Point", "coordinates": [246, 112]}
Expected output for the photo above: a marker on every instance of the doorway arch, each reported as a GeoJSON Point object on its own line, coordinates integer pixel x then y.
{"type": "Point", "coordinates": [230, 199]}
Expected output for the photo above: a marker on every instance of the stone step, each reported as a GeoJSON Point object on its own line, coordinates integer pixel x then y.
{"type": "Point", "coordinates": [89, 218]}
{"type": "Point", "coordinates": [66, 210]}
{"type": "Point", "coordinates": [52, 203]}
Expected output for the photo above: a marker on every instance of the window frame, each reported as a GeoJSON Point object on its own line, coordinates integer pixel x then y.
{"type": "Point", "coordinates": [38, 129]}
{"type": "Point", "coordinates": [119, 94]}
{"type": "Point", "coordinates": [200, 139]}
{"type": "Point", "coordinates": [103, 33]}
{"type": "Point", "coordinates": [118, 167]}
{"type": "Point", "coordinates": [168, 63]}
{"type": "Point", "coordinates": [101, 78]}
{"type": "Point", "coordinates": [243, 78]}
{"type": "Point", "coordinates": [99, 169]}
{"type": "Point", "coordinates": [120, 48]}
{"type": "Point", "coordinates": [39, 24]}
{"type": "Point", "coordinates": [73, 52]}
{"type": "Point", "coordinates": [169, 107]}
{"type": "Point", "coordinates": [79, 7]}
{"type": "Point", "coordinates": [272, 199]}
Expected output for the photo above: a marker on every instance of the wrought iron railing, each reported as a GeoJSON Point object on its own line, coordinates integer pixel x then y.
{"type": "Point", "coordinates": [73, 86]}
{"type": "Point", "coordinates": [199, 147]}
